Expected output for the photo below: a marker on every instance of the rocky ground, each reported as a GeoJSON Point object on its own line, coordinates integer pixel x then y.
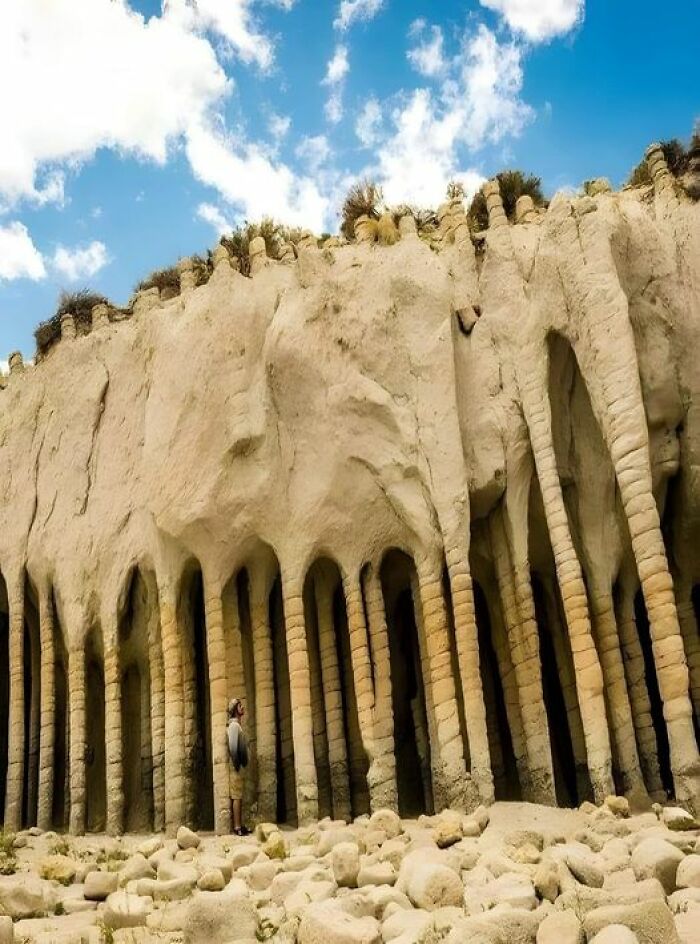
{"type": "Point", "coordinates": [514, 874]}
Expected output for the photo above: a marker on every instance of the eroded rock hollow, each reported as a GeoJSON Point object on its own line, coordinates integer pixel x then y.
{"type": "Point", "coordinates": [434, 516]}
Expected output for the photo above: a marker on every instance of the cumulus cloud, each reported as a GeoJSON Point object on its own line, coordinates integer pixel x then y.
{"type": "Point", "coordinates": [477, 102]}
{"type": "Point", "coordinates": [427, 57]}
{"type": "Point", "coordinates": [279, 125]}
{"type": "Point", "coordinates": [336, 72]}
{"type": "Point", "coordinates": [80, 262]}
{"type": "Point", "coordinates": [314, 151]}
{"type": "Point", "coordinates": [251, 183]}
{"type": "Point", "coordinates": [230, 19]}
{"type": "Point", "coordinates": [353, 10]}
{"type": "Point", "coordinates": [368, 123]}
{"type": "Point", "coordinates": [212, 214]}
{"type": "Point", "coordinates": [19, 257]}
{"type": "Point", "coordinates": [538, 20]}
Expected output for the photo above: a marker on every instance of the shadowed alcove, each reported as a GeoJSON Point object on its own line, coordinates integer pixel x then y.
{"type": "Point", "coordinates": [411, 737]}
{"type": "Point", "coordinates": [95, 759]}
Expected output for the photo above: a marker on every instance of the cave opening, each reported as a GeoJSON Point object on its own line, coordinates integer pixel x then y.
{"type": "Point", "coordinates": [32, 707]}
{"type": "Point", "coordinates": [200, 775]}
{"type": "Point", "coordinates": [505, 772]}
{"type": "Point", "coordinates": [284, 743]}
{"type": "Point", "coordinates": [95, 756]}
{"type": "Point", "coordinates": [411, 737]}
{"type": "Point", "coordinates": [652, 683]}
{"type": "Point", "coordinates": [138, 611]}
{"type": "Point", "coordinates": [563, 755]}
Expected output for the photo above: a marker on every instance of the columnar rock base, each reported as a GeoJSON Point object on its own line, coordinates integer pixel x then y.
{"type": "Point", "coordinates": [432, 512]}
{"type": "Point", "coordinates": [517, 874]}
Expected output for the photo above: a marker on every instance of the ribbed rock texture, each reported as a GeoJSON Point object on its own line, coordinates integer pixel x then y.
{"type": "Point", "coordinates": [433, 515]}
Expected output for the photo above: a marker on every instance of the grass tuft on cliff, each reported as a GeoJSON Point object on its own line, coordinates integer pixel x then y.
{"type": "Point", "coordinates": [676, 158]}
{"type": "Point", "coordinates": [513, 184]}
{"type": "Point", "coordinates": [363, 199]}
{"type": "Point", "coordinates": [79, 304]}
{"type": "Point", "coordinates": [237, 243]}
{"type": "Point", "coordinates": [167, 281]}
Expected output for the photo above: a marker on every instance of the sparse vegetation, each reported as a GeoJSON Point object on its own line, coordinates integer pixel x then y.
{"type": "Point", "coordinates": [79, 304]}
{"type": "Point", "coordinates": [167, 281]}
{"type": "Point", "coordinates": [106, 933]}
{"type": "Point", "coordinates": [513, 184]}
{"type": "Point", "coordinates": [8, 861]}
{"type": "Point", "coordinates": [676, 158]}
{"type": "Point", "coordinates": [238, 242]}
{"type": "Point", "coordinates": [60, 846]}
{"type": "Point", "coordinates": [363, 199]}
{"type": "Point", "coordinates": [455, 190]}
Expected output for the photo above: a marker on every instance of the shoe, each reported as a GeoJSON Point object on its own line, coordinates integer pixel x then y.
{"type": "Point", "coordinates": [242, 831]}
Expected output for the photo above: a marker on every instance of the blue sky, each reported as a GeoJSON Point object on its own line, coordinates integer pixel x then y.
{"type": "Point", "coordinates": [134, 133]}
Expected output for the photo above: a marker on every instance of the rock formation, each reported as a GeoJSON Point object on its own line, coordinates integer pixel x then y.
{"type": "Point", "coordinates": [432, 514]}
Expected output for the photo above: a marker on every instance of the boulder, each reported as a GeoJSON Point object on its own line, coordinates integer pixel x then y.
{"type": "Point", "coordinates": [376, 873]}
{"type": "Point", "coordinates": [174, 889]}
{"type": "Point", "coordinates": [676, 818]}
{"type": "Point", "coordinates": [688, 874]}
{"type": "Point", "coordinates": [220, 916]}
{"type": "Point", "coordinates": [560, 927]}
{"type": "Point", "coordinates": [656, 858]}
{"type": "Point", "coordinates": [244, 854]}
{"type": "Point", "coordinates": [150, 846]}
{"type": "Point", "coordinates": [547, 881]}
{"type": "Point", "coordinates": [135, 868]}
{"type": "Point", "coordinates": [187, 839]}
{"type": "Point", "coordinates": [388, 821]}
{"type": "Point", "coordinates": [326, 923]}
{"type": "Point", "coordinates": [510, 889]}
{"type": "Point", "coordinates": [345, 860]}
{"type": "Point", "coordinates": [98, 885]}
{"type": "Point", "coordinates": [618, 805]}
{"type": "Point", "coordinates": [447, 829]}
{"type": "Point", "coordinates": [58, 868]}
{"type": "Point", "coordinates": [275, 847]}
{"type": "Point", "coordinates": [407, 925]}
{"type": "Point", "coordinates": [22, 896]}
{"type": "Point", "coordinates": [259, 875]}
{"type": "Point", "coordinates": [211, 881]}
{"type": "Point", "coordinates": [651, 921]}
{"type": "Point", "coordinates": [125, 910]}
{"type": "Point", "coordinates": [169, 871]}
{"type": "Point", "coordinates": [430, 885]}
{"type": "Point", "coordinates": [584, 869]}
{"type": "Point", "coordinates": [615, 934]}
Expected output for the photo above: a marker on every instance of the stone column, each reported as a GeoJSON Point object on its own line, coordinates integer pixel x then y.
{"type": "Point", "coordinates": [265, 717]}
{"type": "Point", "coordinates": [300, 694]}
{"type": "Point", "coordinates": [48, 711]}
{"type": "Point", "coordinates": [449, 737]}
{"type": "Point", "coordinates": [68, 330]}
{"type": "Point", "coordinates": [100, 316]}
{"type": "Point", "coordinates": [113, 733]}
{"type": "Point", "coordinates": [15, 741]}
{"type": "Point", "coordinates": [664, 183]}
{"type": "Point", "coordinates": [15, 363]}
{"type": "Point", "coordinates": [637, 686]}
{"type": "Point", "coordinates": [187, 279]}
{"type": "Point", "coordinates": [688, 622]}
{"type": "Point", "coordinates": [332, 699]}
{"type": "Point", "coordinates": [77, 738]}
{"type": "Point", "coordinates": [362, 677]}
{"type": "Point", "coordinates": [174, 710]}
{"type": "Point", "coordinates": [155, 658]}
{"type": "Point", "coordinates": [467, 640]}
{"type": "Point", "coordinates": [258, 254]}
{"type": "Point", "coordinates": [385, 786]}
{"type": "Point", "coordinates": [218, 703]}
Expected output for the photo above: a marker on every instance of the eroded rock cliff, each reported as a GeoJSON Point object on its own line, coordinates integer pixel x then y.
{"type": "Point", "coordinates": [433, 515]}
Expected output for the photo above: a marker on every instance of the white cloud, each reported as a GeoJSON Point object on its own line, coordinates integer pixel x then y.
{"type": "Point", "coordinates": [19, 257]}
{"type": "Point", "coordinates": [80, 262]}
{"type": "Point", "coordinates": [248, 180]}
{"type": "Point", "coordinates": [352, 10]}
{"type": "Point", "coordinates": [314, 151]}
{"type": "Point", "coordinates": [279, 125]}
{"type": "Point", "coordinates": [213, 215]}
{"type": "Point", "coordinates": [427, 57]}
{"type": "Point", "coordinates": [367, 126]}
{"type": "Point", "coordinates": [338, 67]}
{"type": "Point", "coordinates": [336, 73]}
{"type": "Point", "coordinates": [69, 98]}
{"type": "Point", "coordinates": [230, 19]}
{"type": "Point", "coordinates": [477, 102]}
{"type": "Point", "coordinates": [538, 20]}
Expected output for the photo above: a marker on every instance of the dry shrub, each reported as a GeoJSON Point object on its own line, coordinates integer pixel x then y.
{"type": "Point", "coordinates": [79, 304]}
{"type": "Point", "coordinates": [387, 232]}
{"type": "Point", "coordinates": [237, 243]}
{"type": "Point", "coordinates": [363, 199]}
{"type": "Point", "coordinates": [513, 184]}
{"type": "Point", "coordinates": [167, 281]}
{"type": "Point", "coordinates": [676, 158]}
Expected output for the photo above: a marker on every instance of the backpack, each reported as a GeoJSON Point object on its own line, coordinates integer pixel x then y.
{"type": "Point", "coordinates": [237, 745]}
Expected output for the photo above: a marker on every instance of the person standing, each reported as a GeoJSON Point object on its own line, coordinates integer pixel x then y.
{"type": "Point", "coordinates": [238, 756]}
